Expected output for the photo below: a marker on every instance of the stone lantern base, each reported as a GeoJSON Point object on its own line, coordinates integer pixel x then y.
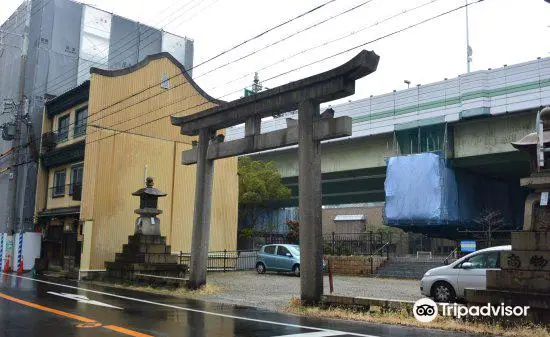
{"type": "Point", "coordinates": [524, 277]}
{"type": "Point", "coordinates": [148, 259]}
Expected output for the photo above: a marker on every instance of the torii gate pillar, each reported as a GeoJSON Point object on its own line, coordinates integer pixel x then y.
{"type": "Point", "coordinates": [201, 216]}
{"type": "Point", "coordinates": [310, 202]}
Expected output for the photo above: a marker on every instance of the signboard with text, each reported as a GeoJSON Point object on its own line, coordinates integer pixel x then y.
{"type": "Point", "coordinates": [467, 246]}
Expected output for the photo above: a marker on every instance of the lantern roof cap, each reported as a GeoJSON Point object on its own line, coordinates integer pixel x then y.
{"type": "Point", "coordinates": [149, 189]}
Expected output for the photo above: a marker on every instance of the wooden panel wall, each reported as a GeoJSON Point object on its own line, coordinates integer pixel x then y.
{"type": "Point", "coordinates": [115, 162]}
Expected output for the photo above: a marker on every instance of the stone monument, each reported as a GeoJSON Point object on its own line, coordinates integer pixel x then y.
{"type": "Point", "coordinates": [524, 277]}
{"type": "Point", "coordinates": [146, 257]}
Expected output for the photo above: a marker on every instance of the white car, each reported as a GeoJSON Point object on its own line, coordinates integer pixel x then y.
{"type": "Point", "coordinates": [447, 283]}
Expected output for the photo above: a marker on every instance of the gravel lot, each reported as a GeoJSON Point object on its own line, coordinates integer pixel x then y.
{"type": "Point", "coordinates": [274, 291]}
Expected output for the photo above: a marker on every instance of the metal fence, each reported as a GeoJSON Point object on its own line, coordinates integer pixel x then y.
{"type": "Point", "coordinates": [255, 241]}
{"type": "Point", "coordinates": [366, 243]}
{"type": "Point", "coordinates": [226, 260]}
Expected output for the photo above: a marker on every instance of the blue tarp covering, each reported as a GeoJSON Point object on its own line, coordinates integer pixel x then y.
{"type": "Point", "coordinates": [273, 220]}
{"type": "Point", "coordinates": [422, 191]}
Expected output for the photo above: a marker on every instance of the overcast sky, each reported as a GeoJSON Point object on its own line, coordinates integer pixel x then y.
{"type": "Point", "coordinates": [501, 32]}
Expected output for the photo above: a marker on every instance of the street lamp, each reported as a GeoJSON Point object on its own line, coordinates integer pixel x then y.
{"type": "Point", "coordinates": [468, 48]}
{"type": "Point", "coordinates": [408, 83]}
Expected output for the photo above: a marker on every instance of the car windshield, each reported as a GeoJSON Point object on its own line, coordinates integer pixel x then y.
{"type": "Point", "coordinates": [295, 250]}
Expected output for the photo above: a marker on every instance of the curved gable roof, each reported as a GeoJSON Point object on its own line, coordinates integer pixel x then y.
{"type": "Point", "coordinates": [145, 62]}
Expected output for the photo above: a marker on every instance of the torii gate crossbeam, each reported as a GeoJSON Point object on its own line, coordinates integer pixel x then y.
{"type": "Point", "coordinates": [306, 95]}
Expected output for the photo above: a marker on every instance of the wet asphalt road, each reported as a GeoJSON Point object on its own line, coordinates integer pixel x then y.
{"type": "Point", "coordinates": [47, 307]}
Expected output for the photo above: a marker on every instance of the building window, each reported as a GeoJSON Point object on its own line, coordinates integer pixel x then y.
{"type": "Point", "coordinates": [75, 188]}
{"type": "Point", "coordinates": [59, 183]}
{"type": "Point", "coordinates": [81, 118]}
{"type": "Point", "coordinates": [63, 129]}
{"type": "Point", "coordinates": [165, 83]}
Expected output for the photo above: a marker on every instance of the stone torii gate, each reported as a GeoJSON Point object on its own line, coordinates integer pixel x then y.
{"type": "Point", "coordinates": [312, 127]}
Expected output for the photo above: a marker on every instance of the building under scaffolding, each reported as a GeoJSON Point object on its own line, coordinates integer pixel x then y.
{"type": "Point", "coordinates": [65, 39]}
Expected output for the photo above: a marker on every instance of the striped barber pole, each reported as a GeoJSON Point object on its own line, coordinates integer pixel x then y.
{"type": "Point", "coordinates": [20, 250]}
{"type": "Point", "coordinates": [2, 249]}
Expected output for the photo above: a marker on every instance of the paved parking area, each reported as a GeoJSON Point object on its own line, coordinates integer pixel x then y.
{"type": "Point", "coordinates": [273, 291]}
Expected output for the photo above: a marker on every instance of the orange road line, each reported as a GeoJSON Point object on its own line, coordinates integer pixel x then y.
{"type": "Point", "coordinates": [126, 331]}
{"type": "Point", "coordinates": [75, 317]}
{"type": "Point", "coordinates": [54, 311]}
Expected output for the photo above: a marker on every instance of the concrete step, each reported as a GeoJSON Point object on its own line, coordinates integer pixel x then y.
{"type": "Point", "coordinates": [144, 248]}
{"type": "Point", "coordinates": [142, 267]}
{"type": "Point", "coordinates": [146, 239]}
{"type": "Point", "coordinates": [146, 258]}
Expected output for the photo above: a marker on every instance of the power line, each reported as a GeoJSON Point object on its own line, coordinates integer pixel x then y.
{"type": "Point", "coordinates": [222, 53]}
{"type": "Point", "coordinates": [238, 45]}
{"type": "Point", "coordinates": [124, 108]}
{"type": "Point", "coordinates": [320, 60]}
{"type": "Point", "coordinates": [226, 51]}
{"type": "Point", "coordinates": [119, 49]}
{"type": "Point", "coordinates": [139, 134]}
{"type": "Point", "coordinates": [267, 31]}
{"type": "Point", "coordinates": [254, 52]}
{"type": "Point", "coordinates": [380, 38]}
{"type": "Point", "coordinates": [32, 141]}
{"type": "Point", "coordinates": [402, 12]}
{"type": "Point", "coordinates": [387, 19]}
{"type": "Point", "coordinates": [12, 27]}
{"type": "Point", "coordinates": [290, 36]}
{"type": "Point", "coordinates": [204, 8]}
{"type": "Point", "coordinates": [59, 84]}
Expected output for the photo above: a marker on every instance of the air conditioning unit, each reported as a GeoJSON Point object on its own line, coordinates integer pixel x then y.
{"type": "Point", "coordinates": [8, 131]}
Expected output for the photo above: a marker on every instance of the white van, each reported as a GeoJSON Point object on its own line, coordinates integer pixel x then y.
{"type": "Point", "coordinates": [447, 283]}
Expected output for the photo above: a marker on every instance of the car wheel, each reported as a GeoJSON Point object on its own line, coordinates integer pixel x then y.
{"type": "Point", "coordinates": [260, 268]}
{"type": "Point", "coordinates": [296, 270]}
{"type": "Point", "coordinates": [443, 292]}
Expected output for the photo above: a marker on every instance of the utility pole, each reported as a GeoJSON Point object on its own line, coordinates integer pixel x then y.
{"type": "Point", "coordinates": [469, 50]}
{"type": "Point", "coordinates": [16, 143]}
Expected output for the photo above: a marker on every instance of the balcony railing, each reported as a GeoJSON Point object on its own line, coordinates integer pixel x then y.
{"type": "Point", "coordinates": [74, 190]}
{"type": "Point", "coordinates": [52, 138]}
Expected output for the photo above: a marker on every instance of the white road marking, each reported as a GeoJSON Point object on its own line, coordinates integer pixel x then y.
{"type": "Point", "coordinates": [83, 299]}
{"type": "Point", "coordinates": [189, 309]}
{"type": "Point", "coordinates": [315, 334]}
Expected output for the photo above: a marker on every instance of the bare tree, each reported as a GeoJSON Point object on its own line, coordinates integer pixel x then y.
{"type": "Point", "coordinates": [490, 220]}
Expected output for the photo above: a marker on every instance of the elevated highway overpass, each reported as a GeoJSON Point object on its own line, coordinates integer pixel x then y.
{"type": "Point", "coordinates": [470, 119]}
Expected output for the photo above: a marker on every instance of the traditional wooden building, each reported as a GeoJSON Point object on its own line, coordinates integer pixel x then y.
{"type": "Point", "coordinates": [100, 141]}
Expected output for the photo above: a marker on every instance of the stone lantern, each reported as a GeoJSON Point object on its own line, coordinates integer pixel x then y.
{"type": "Point", "coordinates": [147, 258]}
{"type": "Point", "coordinates": [523, 279]}
{"type": "Point", "coordinates": [147, 223]}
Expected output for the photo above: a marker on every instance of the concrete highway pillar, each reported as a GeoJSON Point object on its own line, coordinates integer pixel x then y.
{"type": "Point", "coordinates": [201, 217]}
{"type": "Point", "coordinates": [310, 202]}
